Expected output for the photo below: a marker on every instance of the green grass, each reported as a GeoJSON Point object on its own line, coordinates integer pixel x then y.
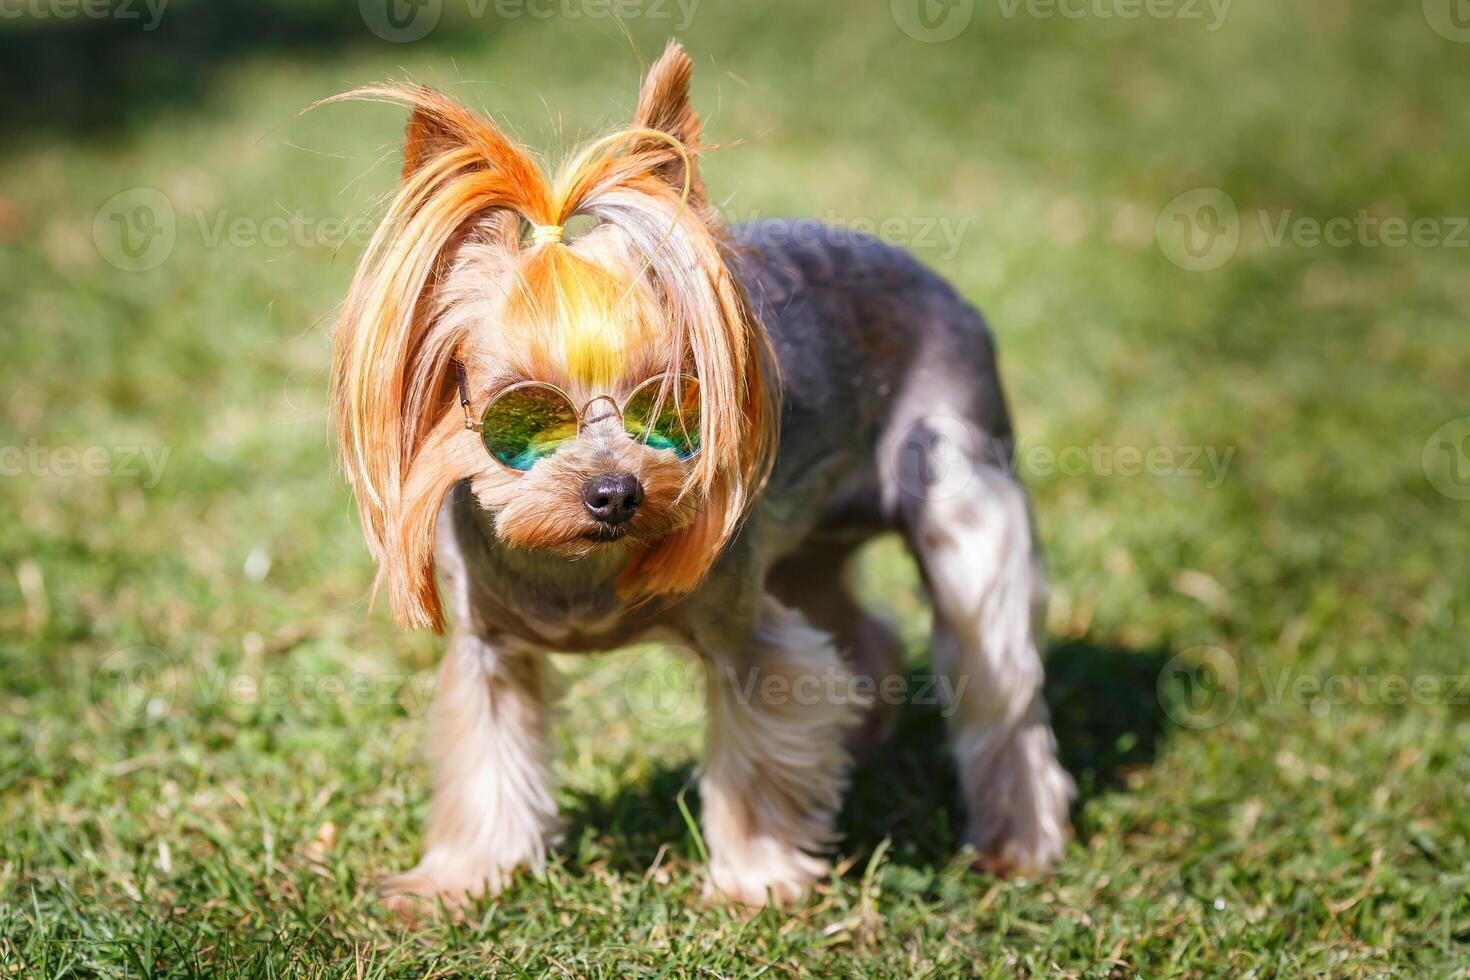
{"type": "Point", "coordinates": [236, 819]}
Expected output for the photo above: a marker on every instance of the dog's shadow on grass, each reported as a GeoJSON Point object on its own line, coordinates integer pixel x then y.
{"type": "Point", "coordinates": [637, 823]}
{"type": "Point", "coordinates": [1107, 718]}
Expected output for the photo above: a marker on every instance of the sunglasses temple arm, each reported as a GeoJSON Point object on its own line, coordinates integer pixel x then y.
{"type": "Point", "coordinates": [464, 392]}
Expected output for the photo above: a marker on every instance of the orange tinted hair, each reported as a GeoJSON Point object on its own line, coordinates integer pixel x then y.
{"type": "Point", "coordinates": [392, 376]}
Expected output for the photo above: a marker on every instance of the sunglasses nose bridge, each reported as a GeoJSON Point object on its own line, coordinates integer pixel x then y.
{"type": "Point", "coordinates": [610, 409]}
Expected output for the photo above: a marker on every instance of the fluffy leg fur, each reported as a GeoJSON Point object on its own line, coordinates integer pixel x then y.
{"type": "Point", "coordinates": [976, 551]}
{"type": "Point", "coordinates": [775, 766]}
{"type": "Point", "coordinates": [492, 810]}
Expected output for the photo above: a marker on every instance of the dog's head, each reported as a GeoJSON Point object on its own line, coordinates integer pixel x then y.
{"type": "Point", "coordinates": [604, 391]}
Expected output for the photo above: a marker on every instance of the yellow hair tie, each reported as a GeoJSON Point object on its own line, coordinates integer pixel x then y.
{"type": "Point", "coordinates": [546, 234]}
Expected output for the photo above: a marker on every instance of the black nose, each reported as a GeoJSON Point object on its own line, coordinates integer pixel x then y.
{"type": "Point", "coordinates": [612, 499]}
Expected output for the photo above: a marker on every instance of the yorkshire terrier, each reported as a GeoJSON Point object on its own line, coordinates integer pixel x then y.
{"type": "Point", "coordinates": [663, 426]}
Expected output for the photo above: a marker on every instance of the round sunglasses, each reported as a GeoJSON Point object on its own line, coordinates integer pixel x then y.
{"type": "Point", "coordinates": [531, 420]}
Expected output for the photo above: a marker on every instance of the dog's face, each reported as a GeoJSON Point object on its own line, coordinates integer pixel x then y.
{"type": "Point", "coordinates": [580, 318]}
{"type": "Point", "coordinates": [451, 280]}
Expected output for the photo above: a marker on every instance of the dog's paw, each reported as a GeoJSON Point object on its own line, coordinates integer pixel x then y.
{"type": "Point", "coordinates": [433, 886]}
{"type": "Point", "coordinates": [1025, 831]}
{"type": "Point", "coordinates": [1009, 861]}
{"type": "Point", "coordinates": [784, 879]}
{"type": "Point", "coordinates": [1028, 850]}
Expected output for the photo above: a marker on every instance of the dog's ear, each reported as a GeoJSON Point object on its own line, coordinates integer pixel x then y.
{"type": "Point", "coordinates": [445, 131]}
{"type": "Point", "coordinates": [393, 378]}
{"type": "Point", "coordinates": [663, 104]}
{"type": "Point", "coordinates": [437, 126]}
{"type": "Point", "coordinates": [425, 137]}
{"type": "Point", "coordinates": [432, 133]}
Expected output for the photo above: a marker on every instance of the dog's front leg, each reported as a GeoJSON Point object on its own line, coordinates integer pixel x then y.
{"type": "Point", "coordinates": [492, 810]}
{"type": "Point", "coordinates": [775, 766]}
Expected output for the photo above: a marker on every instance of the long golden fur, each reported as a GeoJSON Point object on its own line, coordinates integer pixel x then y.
{"type": "Point", "coordinates": [579, 313]}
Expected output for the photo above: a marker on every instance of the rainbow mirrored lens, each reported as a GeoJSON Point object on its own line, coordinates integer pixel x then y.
{"type": "Point", "coordinates": [527, 423]}
{"type": "Point", "coordinates": [665, 417]}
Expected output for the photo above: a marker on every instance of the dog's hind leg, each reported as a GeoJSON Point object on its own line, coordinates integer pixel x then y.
{"type": "Point", "coordinates": [814, 580]}
{"type": "Point", "coordinates": [971, 533]}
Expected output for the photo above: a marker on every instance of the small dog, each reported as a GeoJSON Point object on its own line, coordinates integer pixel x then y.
{"type": "Point", "coordinates": [666, 427]}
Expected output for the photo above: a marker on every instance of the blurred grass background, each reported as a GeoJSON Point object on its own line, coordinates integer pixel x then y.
{"type": "Point", "coordinates": [190, 785]}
